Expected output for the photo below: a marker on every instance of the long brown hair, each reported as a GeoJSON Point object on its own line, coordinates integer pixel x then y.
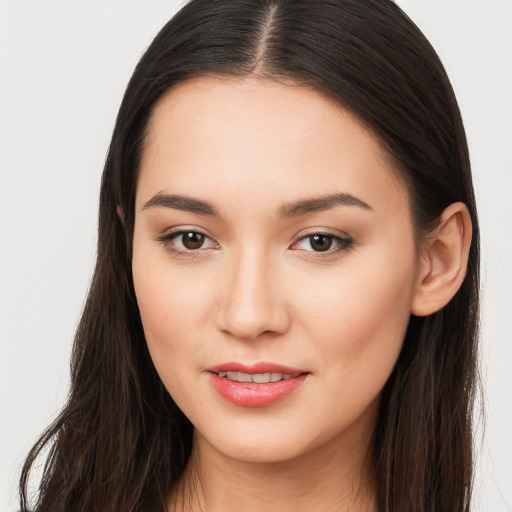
{"type": "Point", "coordinates": [120, 442]}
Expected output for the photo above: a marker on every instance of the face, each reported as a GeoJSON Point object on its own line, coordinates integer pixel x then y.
{"type": "Point", "coordinates": [274, 266]}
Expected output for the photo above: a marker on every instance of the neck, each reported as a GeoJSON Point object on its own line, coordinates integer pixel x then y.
{"type": "Point", "coordinates": [333, 478]}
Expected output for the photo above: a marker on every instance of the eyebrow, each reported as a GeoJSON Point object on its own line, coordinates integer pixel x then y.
{"type": "Point", "coordinates": [320, 204]}
{"type": "Point", "coordinates": [178, 202]}
{"type": "Point", "coordinates": [295, 209]}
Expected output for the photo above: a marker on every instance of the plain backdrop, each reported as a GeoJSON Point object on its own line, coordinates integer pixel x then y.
{"type": "Point", "coordinates": [64, 65]}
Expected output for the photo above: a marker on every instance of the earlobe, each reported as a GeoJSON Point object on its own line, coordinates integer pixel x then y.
{"type": "Point", "coordinates": [443, 262]}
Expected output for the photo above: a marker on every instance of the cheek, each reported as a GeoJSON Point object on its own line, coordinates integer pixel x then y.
{"type": "Point", "coordinates": [173, 308]}
{"type": "Point", "coordinates": [173, 305]}
{"type": "Point", "coordinates": [359, 320]}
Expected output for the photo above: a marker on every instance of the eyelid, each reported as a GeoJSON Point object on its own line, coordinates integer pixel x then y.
{"type": "Point", "coordinates": [344, 240]}
{"type": "Point", "coordinates": [170, 235]}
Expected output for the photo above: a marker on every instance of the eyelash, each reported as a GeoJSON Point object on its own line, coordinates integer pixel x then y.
{"type": "Point", "coordinates": [168, 241]}
{"type": "Point", "coordinates": [344, 242]}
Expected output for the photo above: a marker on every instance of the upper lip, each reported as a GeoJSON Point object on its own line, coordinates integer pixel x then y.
{"type": "Point", "coordinates": [262, 367]}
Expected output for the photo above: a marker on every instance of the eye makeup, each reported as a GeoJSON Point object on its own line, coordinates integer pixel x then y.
{"type": "Point", "coordinates": [191, 242]}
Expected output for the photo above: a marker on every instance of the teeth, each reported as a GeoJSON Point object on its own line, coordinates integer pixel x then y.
{"type": "Point", "coordinates": [239, 376]}
{"type": "Point", "coordinates": [261, 378]}
{"type": "Point", "coordinates": [257, 378]}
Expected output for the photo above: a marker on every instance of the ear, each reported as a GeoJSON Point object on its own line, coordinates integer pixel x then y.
{"type": "Point", "coordinates": [120, 214]}
{"type": "Point", "coordinates": [443, 261]}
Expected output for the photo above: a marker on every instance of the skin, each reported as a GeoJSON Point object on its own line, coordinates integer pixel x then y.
{"type": "Point", "coordinates": [256, 290]}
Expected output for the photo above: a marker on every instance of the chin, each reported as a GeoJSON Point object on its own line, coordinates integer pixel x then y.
{"type": "Point", "coordinates": [270, 444]}
{"type": "Point", "coordinates": [265, 451]}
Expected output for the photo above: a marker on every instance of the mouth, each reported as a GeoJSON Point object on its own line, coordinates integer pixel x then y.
{"type": "Point", "coordinates": [255, 386]}
{"type": "Point", "coordinates": [257, 378]}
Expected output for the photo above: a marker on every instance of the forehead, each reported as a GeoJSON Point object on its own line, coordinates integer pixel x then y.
{"type": "Point", "coordinates": [232, 138]}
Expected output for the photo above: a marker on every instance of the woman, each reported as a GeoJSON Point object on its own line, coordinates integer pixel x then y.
{"type": "Point", "coordinates": [284, 308]}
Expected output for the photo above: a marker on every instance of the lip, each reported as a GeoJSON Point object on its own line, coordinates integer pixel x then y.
{"type": "Point", "coordinates": [262, 367]}
{"type": "Point", "coordinates": [246, 394]}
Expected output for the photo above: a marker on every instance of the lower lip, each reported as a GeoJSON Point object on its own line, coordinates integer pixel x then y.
{"type": "Point", "coordinates": [249, 394]}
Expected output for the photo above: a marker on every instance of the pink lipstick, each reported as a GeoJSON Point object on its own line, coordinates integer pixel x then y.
{"type": "Point", "coordinates": [256, 385]}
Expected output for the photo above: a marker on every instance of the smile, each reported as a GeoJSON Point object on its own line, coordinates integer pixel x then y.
{"type": "Point", "coordinates": [258, 385]}
{"type": "Point", "coordinates": [257, 378]}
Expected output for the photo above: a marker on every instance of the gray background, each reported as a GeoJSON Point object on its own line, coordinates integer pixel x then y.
{"type": "Point", "coordinates": [63, 68]}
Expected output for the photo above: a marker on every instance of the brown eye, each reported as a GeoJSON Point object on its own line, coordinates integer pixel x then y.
{"type": "Point", "coordinates": [187, 242]}
{"type": "Point", "coordinates": [193, 240]}
{"type": "Point", "coordinates": [323, 243]}
{"type": "Point", "coordinates": [320, 243]}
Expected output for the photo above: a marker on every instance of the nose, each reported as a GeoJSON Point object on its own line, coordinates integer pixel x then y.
{"type": "Point", "coordinates": [251, 301]}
